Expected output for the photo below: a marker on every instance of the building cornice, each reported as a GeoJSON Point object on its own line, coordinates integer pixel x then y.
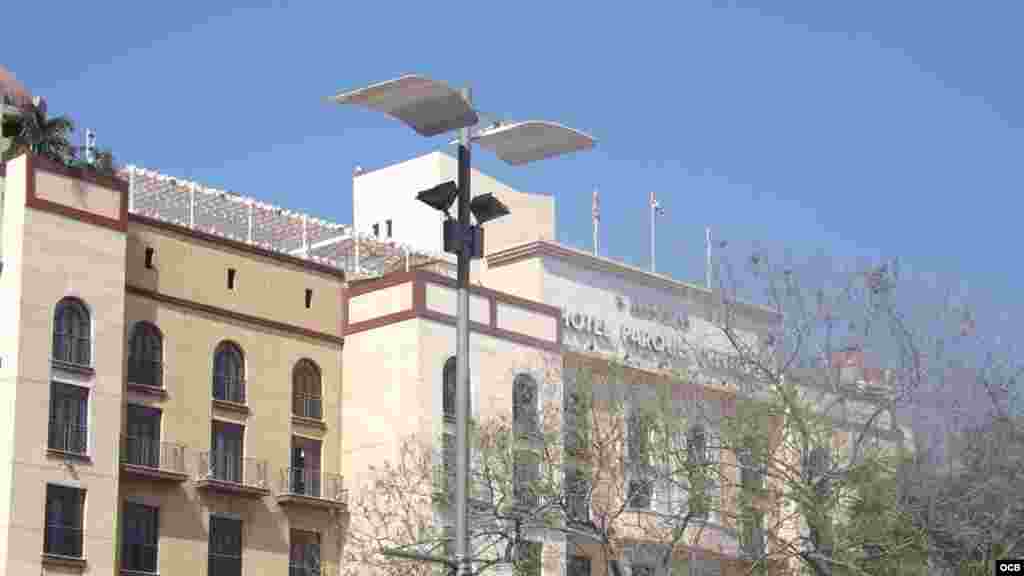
{"type": "Point", "coordinates": [548, 249]}
{"type": "Point", "coordinates": [419, 309]}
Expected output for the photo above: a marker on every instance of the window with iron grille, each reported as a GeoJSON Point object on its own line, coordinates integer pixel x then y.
{"type": "Point", "coordinates": [526, 472]}
{"type": "Point", "coordinates": [751, 465]}
{"type": "Point", "coordinates": [142, 441]}
{"type": "Point", "coordinates": [753, 534]}
{"type": "Point", "coordinates": [577, 423]}
{"type": "Point", "coordinates": [63, 533]}
{"type": "Point", "coordinates": [145, 355]}
{"type": "Point", "coordinates": [641, 570]}
{"type": "Point", "coordinates": [446, 481]}
{"type": "Point", "coordinates": [578, 566]}
{"type": "Point", "coordinates": [72, 333]}
{"type": "Point", "coordinates": [525, 404]}
{"type": "Point", "coordinates": [229, 373]}
{"type": "Point", "coordinates": [69, 416]}
{"type": "Point", "coordinates": [226, 442]}
{"type": "Point", "coordinates": [140, 537]}
{"type": "Point", "coordinates": [641, 485]}
{"type": "Point", "coordinates": [225, 548]}
{"type": "Point", "coordinates": [307, 398]}
{"type": "Point", "coordinates": [305, 468]}
{"type": "Point", "coordinates": [528, 558]}
{"type": "Point", "coordinates": [448, 388]}
{"type": "Point", "coordinates": [304, 556]}
{"type": "Point", "coordinates": [817, 466]}
{"type": "Point", "coordinates": [700, 481]}
{"type": "Point", "coordinates": [578, 495]}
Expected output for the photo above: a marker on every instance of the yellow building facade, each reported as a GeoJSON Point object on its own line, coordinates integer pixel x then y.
{"type": "Point", "coordinates": [193, 381]}
{"type": "Point", "coordinates": [172, 398]}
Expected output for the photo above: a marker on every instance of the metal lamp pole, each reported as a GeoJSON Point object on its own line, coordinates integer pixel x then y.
{"type": "Point", "coordinates": [432, 108]}
{"type": "Point", "coordinates": [462, 358]}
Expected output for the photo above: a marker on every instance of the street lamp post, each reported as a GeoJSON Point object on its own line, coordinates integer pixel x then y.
{"type": "Point", "coordinates": [432, 108]}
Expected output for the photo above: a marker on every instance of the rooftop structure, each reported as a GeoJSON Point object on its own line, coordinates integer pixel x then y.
{"type": "Point", "coordinates": [245, 219]}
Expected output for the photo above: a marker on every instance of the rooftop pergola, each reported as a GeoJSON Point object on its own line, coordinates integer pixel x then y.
{"type": "Point", "coordinates": [248, 220]}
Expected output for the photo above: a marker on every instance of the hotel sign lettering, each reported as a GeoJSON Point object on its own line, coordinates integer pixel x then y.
{"type": "Point", "coordinates": [673, 345]}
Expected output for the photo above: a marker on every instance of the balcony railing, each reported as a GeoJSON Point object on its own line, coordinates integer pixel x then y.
{"type": "Point", "coordinates": [72, 438]}
{"type": "Point", "coordinates": [147, 373]}
{"type": "Point", "coordinates": [139, 558]}
{"type": "Point", "coordinates": [229, 389]}
{"type": "Point", "coordinates": [63, 541]}
{"type": "Point", "coordinates": [305, 570]}
{"type": "Point", "coordinates": [224, 565]}
{"type": "Point", "coordinates": [308, 406]}
{"type": "Point", "coordinates": [225, 467]}
{"type": "Point", "coordinates": [311, 483]}
{"type": "Point", "coordinates": [151, 453]}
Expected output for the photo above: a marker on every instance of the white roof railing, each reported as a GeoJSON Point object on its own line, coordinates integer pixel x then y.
{"type": "Point", "coordinates": [244, 219]}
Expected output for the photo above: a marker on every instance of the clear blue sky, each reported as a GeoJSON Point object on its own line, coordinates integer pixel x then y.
{"type": "Point", "coordinates": [863, 129]}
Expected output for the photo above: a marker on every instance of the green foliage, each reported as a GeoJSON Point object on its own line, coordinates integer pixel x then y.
{"type": "Point", "coordinates": [39, 134]}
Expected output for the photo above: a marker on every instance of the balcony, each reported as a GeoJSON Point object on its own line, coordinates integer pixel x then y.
{"type": "Point", "coordinates": [314, 488]}
{"type": "Point", "coordinates": [148, 459]}
{"type": "Point", "coordinates": [227, 473]}
{"type": "Point", "coordinates": [302, 570]}
{"type": "Point", "coordinates": [69, 440]}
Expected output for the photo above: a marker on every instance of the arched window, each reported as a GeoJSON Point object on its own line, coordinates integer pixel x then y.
{"type": "Point", "coordinates": [306, 390]}
{"type": "Point", "coordinates": [145, 355]}
{"type": "Point", "coordinates": [697, 445]}
{"type": "Point", "coordinates": [71, 333]}
{"type": "Point", "coordinates": [699, 478]}
{"type": "Point", "coordinates": [524, 404]}
{"type": "Point", "coordinates": [229, 373]}
{"type": "Point", "coordinates": [448, 388]}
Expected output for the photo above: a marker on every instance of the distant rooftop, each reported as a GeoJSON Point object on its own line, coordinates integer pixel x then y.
{"type": "Point", "coordinates": [244, 219]}
{"type": "Point", "coordinates": [12, 91]}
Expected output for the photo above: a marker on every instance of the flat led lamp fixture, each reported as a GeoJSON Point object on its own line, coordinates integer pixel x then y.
{"type": "Point", "coordinates": [524, 142]}
{"type": "Point", "coordinates": [427, 106]}
{"type": "Point", "coordinates": [487, 207]}
{"type": "Point", "coordinates": [440, 197]}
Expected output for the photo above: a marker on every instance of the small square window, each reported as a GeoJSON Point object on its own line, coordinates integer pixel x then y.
{"type": "Point", "coordinates": [149, 257]}
{"type": "Point", "coordinates": [231, 278]}
{"type": "Point", "coordinates": [309, 297]}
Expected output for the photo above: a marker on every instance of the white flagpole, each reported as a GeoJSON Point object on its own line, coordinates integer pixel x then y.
{"type": "Point", "coordinates": [595, 212]}
{"type": "Point", "coordinates": [654, 208]}
{"type": "Point", "coordinates": [707, 266]}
